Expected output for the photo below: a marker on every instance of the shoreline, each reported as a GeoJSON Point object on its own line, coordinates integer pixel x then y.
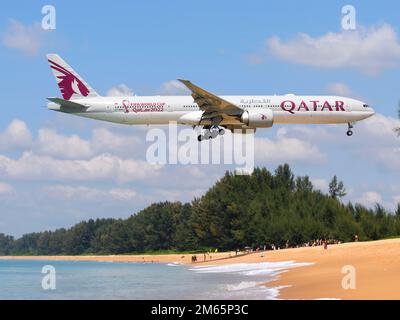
{"type": "Point", "coordinates": [376, 265]}
{"type": "Point", "coordinates": [148, 258]}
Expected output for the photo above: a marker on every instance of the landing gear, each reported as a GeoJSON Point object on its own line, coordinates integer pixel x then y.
{"type": "Point", "coordinates": [350, 132]}
{"type": "Point", "coordinates": [211, 133]}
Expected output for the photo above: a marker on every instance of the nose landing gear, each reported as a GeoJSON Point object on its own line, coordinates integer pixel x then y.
{"type": "Point", "coordinates": [349, 131]}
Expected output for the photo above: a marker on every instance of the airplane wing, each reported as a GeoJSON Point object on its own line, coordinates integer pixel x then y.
{"type": "Point", "coordinates": [212, 105]}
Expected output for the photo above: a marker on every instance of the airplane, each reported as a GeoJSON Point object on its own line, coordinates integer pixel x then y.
{"type": "Point", "coordinates": [211, 112]}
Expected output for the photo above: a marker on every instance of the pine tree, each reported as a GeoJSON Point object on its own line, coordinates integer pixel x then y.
{"type": "Point", "coordinates": [398, 211]}
{"type": "Point", "coordinates": [336, 188]}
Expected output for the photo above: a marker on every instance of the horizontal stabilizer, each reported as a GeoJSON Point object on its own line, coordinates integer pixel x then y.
{"type": "Point", "coordinates": [68, 104]}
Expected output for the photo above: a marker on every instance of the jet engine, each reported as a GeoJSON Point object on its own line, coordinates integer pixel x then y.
{"type": "Point", "coordinates": [258, 118]}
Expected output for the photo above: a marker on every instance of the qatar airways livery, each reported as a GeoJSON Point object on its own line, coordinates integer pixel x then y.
{"type": "Point", "coordinates": [202, 108]}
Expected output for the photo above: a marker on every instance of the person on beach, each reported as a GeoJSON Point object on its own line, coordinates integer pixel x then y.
{"type": "Point", "coordinates": [325, 245]}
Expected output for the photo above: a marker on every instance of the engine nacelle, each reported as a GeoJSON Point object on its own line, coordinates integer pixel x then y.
{"type": "Point", "coordinates": [258, 118]}
{"type": "Point", "coordinates": [191, 118]}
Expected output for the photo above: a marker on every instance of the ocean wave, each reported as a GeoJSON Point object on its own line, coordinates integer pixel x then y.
{"type": "Point", "coordinates": [252, 276]}
{"type": "Point", "coordinates": [246, 290]}
{"type": "Point", "coordinates": [240, 286]}
{"type": "Point", "coordinates": [251, 268]}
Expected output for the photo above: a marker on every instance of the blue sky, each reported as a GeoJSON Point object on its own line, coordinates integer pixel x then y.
{"type": "Point", "coordinates": [224, 46]}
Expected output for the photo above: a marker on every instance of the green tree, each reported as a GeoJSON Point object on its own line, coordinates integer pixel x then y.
{"type": "Point", "coordinates": [238, 211]}
{"type": "Point", "coordinates": [398, 211]}
{"type": "Point", "coordinates": [336, 188]}
{"type": "Point", "coordinates": [6, 244]}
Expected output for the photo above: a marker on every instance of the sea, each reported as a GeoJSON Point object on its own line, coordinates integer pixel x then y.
{"type": "Point", "coordinates": [65, 280]}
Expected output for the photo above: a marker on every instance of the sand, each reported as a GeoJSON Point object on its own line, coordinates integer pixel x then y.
{"type": "Point", "coordinates": [376, 265]}
{"type": "Point", "coordinates": [162, 258]}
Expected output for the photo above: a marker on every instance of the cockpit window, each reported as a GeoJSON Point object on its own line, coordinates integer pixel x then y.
{"type": "Point", "coordinates": [366, 106]}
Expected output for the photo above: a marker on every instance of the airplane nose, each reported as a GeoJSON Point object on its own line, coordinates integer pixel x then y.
{"type": "Point", "coordinates": [371, 112]}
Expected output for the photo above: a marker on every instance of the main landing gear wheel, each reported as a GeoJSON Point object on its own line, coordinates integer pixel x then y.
{"type": "Point", "coordinates": [211, 133]}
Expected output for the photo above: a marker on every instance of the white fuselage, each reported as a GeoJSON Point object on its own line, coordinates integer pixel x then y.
{"type": "Point", "coordinates": [287, 109]}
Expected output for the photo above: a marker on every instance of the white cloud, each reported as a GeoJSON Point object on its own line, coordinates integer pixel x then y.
{"type": "Point", "coordinates": [104, 140]}
{"type": "Point", "coordinates": [173, 88]}
{"type": "Point", "coordinates": [123, 194]}
{"type": "Point", "coordinates": [16, 136]}
{"type": "Point", "coordinates": [286, 149]}
{"type": "Point", "coordinates": [339, 89]}
{"type": "Point", "coordinates": [169, 88]}
{"type": "Point", "coordinates": [369, 50]}
{"type": "Point", "coordinates": [371, 198]}
{"type": "Point", "coordinates": [396, 199]}
{"type": "Point", "coordinates": [389, 157]}
{"type": "Point", "coordinates": [121, 90]}
{"type": "Point", "coordinates": [70, 147]}
{"type": "Point", "coordinates": [374, 139]}
{"type": "Point", "coordinates": [320, 184]}
{"type": "Point", "coordinates": [27, 39]}
{"type": "Point", "coordinates": [5, 188]}
{"type": "Point", "coordinates": [50, 143]}
{"type": "Point", "coordinates": [104, 167]}
{"type": "Point", "coordinates": [88, 194]}
{"type": "Point", "coordinates": [178, 195]}
{"type": "Point", "coordinates": [381, 128]}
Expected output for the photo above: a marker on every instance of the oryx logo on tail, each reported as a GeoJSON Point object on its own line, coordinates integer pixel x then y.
{"type": "Point", "coordinates": [70, 83]}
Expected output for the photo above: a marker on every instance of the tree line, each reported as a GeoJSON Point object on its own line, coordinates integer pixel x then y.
{"type": "Point", "coordinates": [259, 209]}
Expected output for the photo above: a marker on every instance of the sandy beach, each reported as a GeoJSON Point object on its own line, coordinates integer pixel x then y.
{"type": "Point", "coordinates": [376, 265]}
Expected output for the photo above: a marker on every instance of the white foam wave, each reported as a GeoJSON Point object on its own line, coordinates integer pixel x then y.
{"type": "Point", "coordinates": [250, 269]}
{"type": "Point", "coordinates": [240, 286]}
{"type": "Point", "coordinates": [257, 272]}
